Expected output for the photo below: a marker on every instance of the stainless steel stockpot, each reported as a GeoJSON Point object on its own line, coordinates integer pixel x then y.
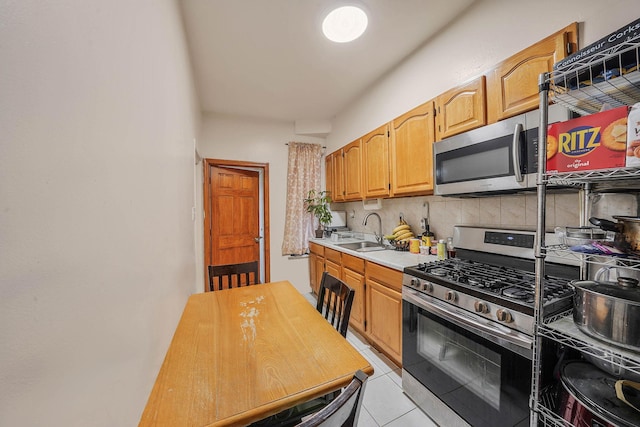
{"type": "Point", "coordinates": [609, 311]}
{"type": "Point", "coordinates": [627, 231]}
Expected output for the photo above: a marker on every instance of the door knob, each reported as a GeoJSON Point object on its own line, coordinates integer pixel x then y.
{"type": "Point", "coordinates": [257, 239]}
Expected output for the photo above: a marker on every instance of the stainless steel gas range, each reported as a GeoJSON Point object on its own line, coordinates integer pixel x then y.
{"type": "Point", "coordinates": [468, 327]}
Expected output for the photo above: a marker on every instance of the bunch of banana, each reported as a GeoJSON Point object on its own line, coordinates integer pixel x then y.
{"type": "Point", "coordinates": [401, 233]}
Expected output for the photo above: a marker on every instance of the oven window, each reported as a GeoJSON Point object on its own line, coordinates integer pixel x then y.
{"type": "Point", "coordinates": [481, 380]}
{"type": "Point", "coordinates": [471, 365]}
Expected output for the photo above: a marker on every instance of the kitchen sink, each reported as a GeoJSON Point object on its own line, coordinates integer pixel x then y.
{"type": "Point", "coordinates": [362, 246]}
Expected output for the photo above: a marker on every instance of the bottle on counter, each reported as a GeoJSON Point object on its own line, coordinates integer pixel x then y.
{"type": "Point", "coordinates": [427, 238]}
{"type": "Point", "coordinates": [441, 249]}
{"type": "Point", "coordinates": [451, 250]}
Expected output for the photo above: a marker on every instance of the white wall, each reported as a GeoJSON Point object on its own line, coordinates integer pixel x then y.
{"type": "Point", "coordinates": [489, 32]}
{"type": "Point", "coordinates": [97, 256]}
{"type": "Point", "coordinates": [256, 140]}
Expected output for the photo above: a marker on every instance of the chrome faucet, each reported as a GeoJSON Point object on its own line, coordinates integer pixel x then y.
{"type": "Point", "coordinates": [379, 234]}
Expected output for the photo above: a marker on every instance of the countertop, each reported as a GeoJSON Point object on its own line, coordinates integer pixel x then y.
{"type": "Point", "coordinates": [397, 260]}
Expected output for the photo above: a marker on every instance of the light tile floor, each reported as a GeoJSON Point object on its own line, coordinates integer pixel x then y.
{"type": "Point", "coordinates": [384, 402]}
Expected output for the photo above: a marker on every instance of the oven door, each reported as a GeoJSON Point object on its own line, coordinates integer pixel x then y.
{"type": "Point", "coordinates": [484, 160]}
{"type": "Point", "coordinates": [485, 383]}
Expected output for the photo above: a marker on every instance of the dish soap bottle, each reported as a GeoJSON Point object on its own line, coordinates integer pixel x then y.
{"type": "Point", "coordinates": [441, 249]}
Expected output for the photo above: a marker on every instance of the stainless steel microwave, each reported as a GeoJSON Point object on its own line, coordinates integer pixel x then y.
{"type": "Point", "coordinates": [498, 158]}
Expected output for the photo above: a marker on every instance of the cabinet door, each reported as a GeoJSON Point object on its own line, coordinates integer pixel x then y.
{"type": "Point", "coordinates": [312, 271]}
{"type": "Point", "coordinates": [353, 276]}
{"type": "Point", "coordinates": [332, 268]}
{"type": "Point", "coordinates": [353, 171]}
{"type": "Point", "coordinates": [375, 163]}
{"type": "Point", "coordinates": [328, 173]}
{"type": "Point", "coordinates": [461, 109]}
{"type": "Point", "coordinates": [355, 281]}
{"type": "Point", "coordinates": [384, 314]}
{"type": "Point", "coordinates": [411, 151]}
{"type": "Point", "coordinates": [384, 309]}
{"type": "Point", "coordinates": [316, 265]}
{"type": "Point", "coordinates": [512, 86]}
{"type": "Point", "coordinates": [338, 176]}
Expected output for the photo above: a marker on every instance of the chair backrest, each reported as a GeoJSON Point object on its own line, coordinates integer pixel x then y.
{"type": "Point", "coordinates": [233, 275]}
{"type": "Point", "coordinates": [344, 410]}
{"type": "Point", "coordinates": [335, 299]}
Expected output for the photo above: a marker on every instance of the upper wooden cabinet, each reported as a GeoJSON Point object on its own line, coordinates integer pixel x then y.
{"type": "Point", "coordinates": [411, 151]}
{"type": "Point", "coordinates": [353, 171]}
{"type": "Point", "coordinates": [337, 160]}
{"type": "Point", "coordinates": [461, 109]}
{"type": "Point", "coordinates": [512, 86]}
{"type": "Point", "coordinates": [375, 163]}
{"type": "Point", "coordinates": [328, 175]}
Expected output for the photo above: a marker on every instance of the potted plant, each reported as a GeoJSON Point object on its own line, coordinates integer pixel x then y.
{"type": "Point", "coordinates": [318, 204]}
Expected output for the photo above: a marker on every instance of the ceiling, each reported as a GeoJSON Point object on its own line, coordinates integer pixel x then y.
{"type": "Point", "coordinates": [269, 59]}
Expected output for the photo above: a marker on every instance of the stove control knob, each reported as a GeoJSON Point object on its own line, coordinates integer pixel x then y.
{"type": "Point", "coordinates": [504, 316]}
{"type": "Point", "coordinates": [450, 296]}
{"type": "Point", "coordinates": [415, 283]}
{"type": "Point", "coordinates": [481, 307]}
{"type": "Point", "coordinates": [427, 287]}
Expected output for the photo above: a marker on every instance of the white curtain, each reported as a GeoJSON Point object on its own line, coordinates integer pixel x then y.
{"type": "Point", "coordinates": [303, 174]}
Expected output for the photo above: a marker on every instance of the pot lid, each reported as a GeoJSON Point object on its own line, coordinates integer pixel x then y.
{"type": "Point", "coordinates": [595, 390]}
{"type": "Point", "coordinates": [627, 218]}
{"type": "Point", "coordinates": [611, 289]}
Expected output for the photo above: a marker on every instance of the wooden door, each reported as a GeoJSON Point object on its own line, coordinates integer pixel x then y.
{"type": "Point", "coordinates": [411, 151]}
{"type": "Point", "coordinates": [461, 109]}
{"type": "Point", "coordinates": [353, 171]}
{"type": "Point", "coordinates": [512, 85]}
{"type": "Point", "coordinates": [375, 163]}
{"type": "Point", "coordinates": [232, 214]}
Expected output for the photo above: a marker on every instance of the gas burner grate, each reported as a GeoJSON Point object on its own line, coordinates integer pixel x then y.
{"type": "Point", "coordinates": [500, 281]}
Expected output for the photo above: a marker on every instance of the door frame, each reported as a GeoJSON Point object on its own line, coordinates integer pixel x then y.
{"type": "Point", "coordinates": [263, 173]}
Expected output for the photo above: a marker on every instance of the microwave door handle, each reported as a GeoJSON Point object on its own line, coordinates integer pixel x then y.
{"type": "Point", "coordinates": [517, 168]}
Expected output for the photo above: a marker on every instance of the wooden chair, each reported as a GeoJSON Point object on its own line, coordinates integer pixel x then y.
{"type": "Point", "coordinates": [335, 299]}
{"type": "Point", "coordinates": [233, 275]}
{"type": "Point", "coordinates": [344, 410]}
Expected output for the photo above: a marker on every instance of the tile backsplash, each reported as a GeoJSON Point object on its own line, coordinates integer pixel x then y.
{"type": "Point", "coordinates": [563, 209]}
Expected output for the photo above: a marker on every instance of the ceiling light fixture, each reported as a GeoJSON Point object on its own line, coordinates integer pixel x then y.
{"type": "Point", "coordinates": [344, 24]}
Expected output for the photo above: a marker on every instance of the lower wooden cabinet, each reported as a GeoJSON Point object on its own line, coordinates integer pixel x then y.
{"type": "Point", "coordinates": [316, 266]}
{"type": "Point", "coordinates": [333, 262]}
{"type": "Point", "coordinates": [384, 310]}
{"type": "Point", "coordinates": [353, 276]}
{"type": "Point", "coordinates": [376, 312]}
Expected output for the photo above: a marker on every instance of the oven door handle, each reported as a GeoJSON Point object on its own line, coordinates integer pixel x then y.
{"type": "Point", "coordinates": [461, 319]}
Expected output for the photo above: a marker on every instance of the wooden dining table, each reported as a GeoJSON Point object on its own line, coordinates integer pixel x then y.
{"type": "Point", "coordinates": [243, 354]}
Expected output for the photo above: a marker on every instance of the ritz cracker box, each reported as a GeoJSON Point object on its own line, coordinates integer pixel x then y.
{"type": "Point", "coordinates": [596, 141]}
{"type": "Point", "coordinates": [633, 136]}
